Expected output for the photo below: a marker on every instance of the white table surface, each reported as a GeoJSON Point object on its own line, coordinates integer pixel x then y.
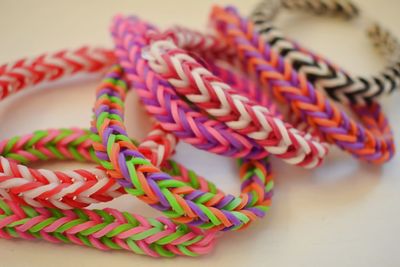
{"type": "Point", "coordinates": [345, 213]}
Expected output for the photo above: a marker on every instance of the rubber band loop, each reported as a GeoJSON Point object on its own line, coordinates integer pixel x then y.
{"type": "Point", "coordinates": [103, 229]}
{"type": "Point", "coordinates": [259, 124]}
{"type": "Point", "coordinates": [184, 204]}
{"type": "Point", "coordinates": [337, 83]}
{"type": "Point", "coordinates": [372, 141]}
{"type": "Point", "coordinates": [94, 184]}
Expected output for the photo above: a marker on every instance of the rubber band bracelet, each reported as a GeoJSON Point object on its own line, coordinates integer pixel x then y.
{"type": "Point", "coordinates": [177, 116]}
{"type": "Point", "coordinates": [65, 189]}
{"type": "Point", "coordinates": [372, 141]}
{"type": "Point", "coordinates": [220, 100]}
{"type": "Point", "coordinates": [340, 8]}
{"type": "Point", "coordinates": [268, 130]}
{"type": "Point", "coordinates": [69, 189]}
{"type": "Point", "coordinates": [27, 72]}
{"type": "Point", "coordinates": [179, 201]}
{"type": "Point", "coordinates": [338, 83]}
{"type": "Point", "coordinates": [103, 229]}
{"type": "Point", "coordinates": [198, 45]}
{"type": "Point", "coordinates": [84, 225]}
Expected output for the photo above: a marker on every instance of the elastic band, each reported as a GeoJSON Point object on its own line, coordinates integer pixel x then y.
{"type": "Point", "coordinates": [338, 83]}
{"type": "Point", "coordinates": [236, 111]}
{"type": "Point", "coordinates": [142, 179]}
{"type": "Point", "coordinates": [173, 113]}
{"type": "Point", "coordinates": [103, 229]}
{"type": "Point", "coordinates": [47, 67]}
{"type": "Point", "coordinates": [340, 8]}
{"type": "Point", "coordinates": [372, 141]}
{"type": "Point", "coordinates": [77, 188]}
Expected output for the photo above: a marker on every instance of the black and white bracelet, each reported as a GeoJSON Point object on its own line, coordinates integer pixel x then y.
{"type": "Point", "coordinates": [341, 8]}
{"type": "Point", "coordinates": [338, 83]}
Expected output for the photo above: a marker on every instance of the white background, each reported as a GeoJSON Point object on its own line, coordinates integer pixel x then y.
{"type": "Point", "coordinates": [345, 213]}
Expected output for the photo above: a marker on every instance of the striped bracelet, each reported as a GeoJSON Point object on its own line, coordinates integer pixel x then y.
{"type": "Point", "coordinates": [47, 67]}
{"type": "Point", "coordinates": [339, 8]}
{"type": "Point", "coordinates": [337, 83]}
{"type": "Point", "coordinates": [65, 190]}
{"type": "Point", "coordinates": [38, 202]}
{"type": "Point", "coordinates": [27, 213]}
{"type": "Point", "coordinates": [372, 141]}
{"type": "Point", "coordinates": [173, 113]}
{"type": "Point", "coordinates": [235, 110]}
{"type": "Point", "coordinates": [178, 201]}
{"type": "Point", "coordinates": [103, 229]}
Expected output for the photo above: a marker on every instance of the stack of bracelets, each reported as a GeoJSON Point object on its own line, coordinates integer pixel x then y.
{"type": "Point", "coordinates": [219, 92]}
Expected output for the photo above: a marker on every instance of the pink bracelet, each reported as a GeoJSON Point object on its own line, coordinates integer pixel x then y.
{"type": "Point", "coordinates": [238, 112]}
{"type": "Point", "coordinates": [77, 188]}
